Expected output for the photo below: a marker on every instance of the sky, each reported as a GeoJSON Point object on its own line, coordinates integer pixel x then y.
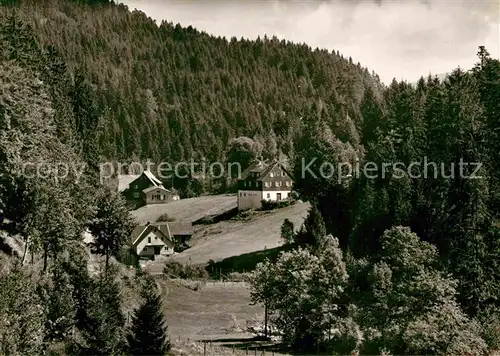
{"type": "Point", "coordinates": [400, 39]}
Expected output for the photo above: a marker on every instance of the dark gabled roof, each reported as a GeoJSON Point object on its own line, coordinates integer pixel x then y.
{"type": "Point", "coordinates": [263, 170]}
{"type": "Point", "coordinates": [140, 232]}
{"type": "Point", "coordinates": [151, 177]}
{"type": "Point", "coordinates": [270, 168]}
{"type": "Point", "coordinates": [163, 227]}
{"type": "Point", "coordinates": [256, 167]}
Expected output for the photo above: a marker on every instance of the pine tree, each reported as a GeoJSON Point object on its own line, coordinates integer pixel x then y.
{"type": "Point", "coordinates": [148, 334]}
{"type": "Point", "coordinates": [60, 307]}
{"type": "Point", "coordinates": [313, 231]}
{"type": "Point", "coordinates": [287, 231]}
{"type": "Point", "coordinates": [111, 226]}
{"type": "Point", "coordinates": [86, 118]}
{"type": "Point", "coordinates": [105, 322]}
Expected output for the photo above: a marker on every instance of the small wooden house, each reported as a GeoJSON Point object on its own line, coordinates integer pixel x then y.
{"type": "Point", "coordinates": [146, 189]}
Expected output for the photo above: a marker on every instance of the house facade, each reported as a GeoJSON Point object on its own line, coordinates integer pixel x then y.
{"type": "Point", "coordinates": [146, 189]}
{"type": "Point", "coordinates": [150, 240]}
{"type": "Point", "coordinates": [271, 182]}
{"type": "Point", "coordinates": [160, 238]}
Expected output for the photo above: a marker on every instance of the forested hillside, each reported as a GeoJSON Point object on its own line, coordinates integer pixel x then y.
{"type": "Point", "coordinates": [49, 302]}
{"type": "Point", "coordinates": [172, 93]}
{"type": "Point", "coordinates": [414, 229]}
{"type": "Point", "coordinates": [403, 258]}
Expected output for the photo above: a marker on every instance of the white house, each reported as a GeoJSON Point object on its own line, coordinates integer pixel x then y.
{"type": "Point", "coordinates": [271, 182]}
{"type": "Point", "coordinates": [152, 239]}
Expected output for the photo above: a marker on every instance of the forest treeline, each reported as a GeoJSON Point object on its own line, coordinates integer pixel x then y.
{"type": "Point", "coordinates": [171, 93]}
{"type": "Point", "coordinates": [406, 262]}
{"type": "Point", "coordinates": [415, 260]}
{"type": "Point", "coordinates": [55, 299]}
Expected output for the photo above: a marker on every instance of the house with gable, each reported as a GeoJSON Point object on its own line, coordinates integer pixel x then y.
{"type": "Point", "coordinates": [145, 189]}
{"type": "Point", "coordinates": [264, 181]}
{"type": "Point", "coordinates": [152, 240]}
{"type": "Point", "coordinates": [160, 238]}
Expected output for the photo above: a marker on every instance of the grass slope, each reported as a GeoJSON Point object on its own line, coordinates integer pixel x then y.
{"type": "Point", "coordinates": [220, 312]}
{"type": "Point", "coordinates": [215, 310]}
{"type": "Point", "coordinates": [191, 209]}
{"type": "Point", "coordinates": [241, 237]}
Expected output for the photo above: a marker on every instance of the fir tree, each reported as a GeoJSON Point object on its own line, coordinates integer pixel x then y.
{"type": "Point", "coordinates": [313, 231]}
{"type": "Point", "coordinates": [287, 231]}
{"type": "Point", "coordinates": [148, 334]}
{"type": "Point", "coordinates": [105, 322]}
{"type": "Point", "coordinates": [111, 226]}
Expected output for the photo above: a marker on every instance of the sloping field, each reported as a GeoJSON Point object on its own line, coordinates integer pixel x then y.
{"type": "Point", "coordinates": [191, 209]}
{"type": "Point", "coordinates": [221, 312]}
{"type": "Point", "coordinates": [240, 237]}
{"type": "Point", "coordinates": [214, 310]}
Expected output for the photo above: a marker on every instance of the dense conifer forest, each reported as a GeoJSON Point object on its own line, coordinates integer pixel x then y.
{"type": "Point", "coordinates": [165, 92]}
{"type": "Point", "coordinates": [399, 263]}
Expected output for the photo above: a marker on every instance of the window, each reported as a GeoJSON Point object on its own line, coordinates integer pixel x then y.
{"type": "Point", "coordinates": [244, 194]}
{"type": "Point", "coordinates": [149, 239]}
{"type": "Point", "coordinates": [136, 195]}
{"type": "Point", "coordinates": [271, 174]}
{"type": "Point", "coordinates": [241, 194]}
{"type": "Point", "coordinates": [287, 183]}
{"type": "Point", "coordinates": [268, 195]}
{"type": "Point", "coordinates": [136, 187]}
{"type": "Point", "coordinates": [282, 173]}
{"type": "Point", "coordinates": [276, 184]}
{"type": "Point", "coordinates": [266, 184]}
{"type": "Point", "coordinates": [145, 249]}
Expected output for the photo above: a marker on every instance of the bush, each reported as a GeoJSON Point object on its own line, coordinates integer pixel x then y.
{"type": "Point", "coordinates": [165, 218]}
{"type": "Point", "coordinates": [490, 320]}
{"type": "Point", "coordinates": [271, 205]}
{"type": "Point", "coordinates": [179, 270]}
{"type": "Point", "coordinates": [285, 203]}
{"type": "Point", "coordinates": [180, 247]}
{"type": "Point", "coordinates": [268, 205]}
